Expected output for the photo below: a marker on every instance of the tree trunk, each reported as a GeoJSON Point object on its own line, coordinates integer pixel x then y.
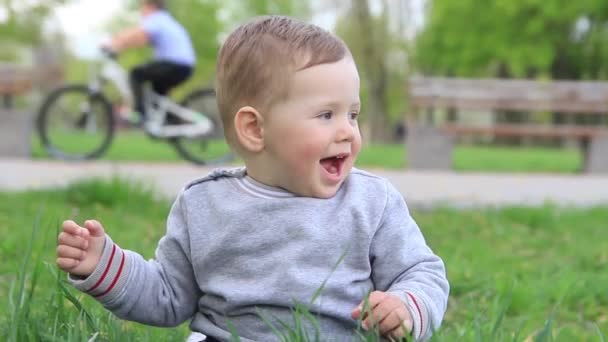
{"type": "Point", "coordinates": [376, 74]}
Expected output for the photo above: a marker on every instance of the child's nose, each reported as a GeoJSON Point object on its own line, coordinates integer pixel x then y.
{"type": "Point", "coordinates": [345, 130]}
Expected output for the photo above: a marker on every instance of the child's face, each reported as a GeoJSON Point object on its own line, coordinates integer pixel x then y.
{"type": "Point", "coordinates": [312, 138]}
{"type": "Point", "coordinates": [145, 8]}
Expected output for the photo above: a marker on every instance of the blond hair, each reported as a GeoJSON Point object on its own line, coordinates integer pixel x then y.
{"type": "Point", "coordinates": [257, 60]}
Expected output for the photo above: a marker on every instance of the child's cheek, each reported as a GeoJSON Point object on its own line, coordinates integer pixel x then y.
{"type": "Point", "coordinates": [356, 145]}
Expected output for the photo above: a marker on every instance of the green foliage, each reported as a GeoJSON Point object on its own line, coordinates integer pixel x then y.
{"type": "Point", "coordinates": [392, 47]}
{"type": "Point", "coordinates": [379, 46]}
{"type": "Point", "coordinates": [23, 24]}
{"type": "Point", "coordinates": [521, 38]}
{"type": "Point", "coordinates": [239, 11]}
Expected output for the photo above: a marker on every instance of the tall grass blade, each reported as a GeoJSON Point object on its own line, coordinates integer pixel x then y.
{"type": "Point", "coordinates": [545, 334]}
{"type": "Point", "coordinates": [20, 305]}
{"type": "Point", "coordinates": [502, 313]}
{"type": "Point", "coordinates": [234, 335]}
{"type": "Point", "coordinates": [320, 289]}
{"type": "Point", "coordinates": [272, 327]}
{"type": "Point", "coordinates": [599, 332]}
{"type": "Point", "coordinates": [94, 337]}
{"type": "Point", "coordinates": [518, 330]}
{"type": "Point", "coordinates": [70, 297]}
{"type": "Point", "coordinates": [89, 318]}
{"type": "Point", "coordinates": [313, 320]}
{"type": "Point", "coordinates": [478, 333]}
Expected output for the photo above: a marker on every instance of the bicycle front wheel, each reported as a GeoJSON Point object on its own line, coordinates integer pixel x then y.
{"type": "Point", "coordinates": [75, 124]}
{"type": "Point", "coordinates": [210, 148]}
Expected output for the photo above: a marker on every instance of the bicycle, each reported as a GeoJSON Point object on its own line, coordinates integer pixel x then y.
{"type": "Point", "coordinates": [77, 121]}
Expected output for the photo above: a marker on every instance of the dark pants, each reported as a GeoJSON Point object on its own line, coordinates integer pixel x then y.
{"type": "Point", "coordinates": [162, 75]}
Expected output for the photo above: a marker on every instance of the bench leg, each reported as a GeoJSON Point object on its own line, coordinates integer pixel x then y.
{"type": "Point", "coordinates": [428, 148]}
{"type": "Point", "coordinates": [16, 134]}
{"type": "Point", "coordinates": [596, 155]}
{"type": "Point", "coordinates": [7, 102]}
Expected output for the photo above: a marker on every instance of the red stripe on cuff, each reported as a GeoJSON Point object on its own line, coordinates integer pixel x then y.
{"type": "Point", "coordinates": [122, 263]}
{"type": "Point", "coordinates": [105, 272]}
{"type": "Point", "coordinates": [419, 313]}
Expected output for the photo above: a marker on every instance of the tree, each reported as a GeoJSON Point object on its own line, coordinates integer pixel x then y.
{"type": "Point", "coordinates": [23, 23]}
{"type": "Point", "coordinates": [238, 11]}
{"type": "Point", "coordinates": [379, 45]}
{"type": "Point", "coordinates": [294, 8]}
{"type": "Point", "coordinates": [515, 38]}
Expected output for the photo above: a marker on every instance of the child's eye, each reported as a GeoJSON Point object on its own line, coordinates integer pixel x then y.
{"type": "Point", "coordinates": [353, 115]}
{"type": "Point", "coordinates": [325, 115]}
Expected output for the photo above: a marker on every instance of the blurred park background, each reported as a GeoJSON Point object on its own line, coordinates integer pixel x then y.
{"type": "Point", "coordinates": [394, 42]}
{"type": "Point", "coordinates": [511, 88]}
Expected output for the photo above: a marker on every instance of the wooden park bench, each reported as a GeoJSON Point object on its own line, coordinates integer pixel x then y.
{"type": "Point", "coordinates": [15, 127]}
{"type": "Point", "coordinates": [430, 144]}
{"type": "Point", "coordinates": [16, 124]}
{"type": "Point", "coordinates": [14, 81]}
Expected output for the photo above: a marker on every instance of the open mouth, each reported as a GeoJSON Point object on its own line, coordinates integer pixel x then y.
{"type": "Point", "coordinates": [333, 165]}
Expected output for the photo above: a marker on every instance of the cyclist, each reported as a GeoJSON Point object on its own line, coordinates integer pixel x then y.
{"type": "Point", "coordinates": [174, 55]}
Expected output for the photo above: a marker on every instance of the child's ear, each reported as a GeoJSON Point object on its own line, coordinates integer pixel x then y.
{"type": "Point", "coordinates": [248, 126]}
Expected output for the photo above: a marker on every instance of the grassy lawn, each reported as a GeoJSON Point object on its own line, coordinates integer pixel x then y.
{"type": "Point", "coordinates": [482, 158]}
{"type": "Point", "coordinates": [517, 274]}
{"type": "Point", "coordinates": [137, 147]}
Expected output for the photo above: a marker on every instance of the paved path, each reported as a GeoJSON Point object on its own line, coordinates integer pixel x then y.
{"type": "Point", "coordinates": [421, 189]}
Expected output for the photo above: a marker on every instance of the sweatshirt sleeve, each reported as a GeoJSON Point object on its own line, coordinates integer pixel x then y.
{"type": "Point", "coordinates": [403, 264]}
{"type": "Point", "coordinates": [161, 292]}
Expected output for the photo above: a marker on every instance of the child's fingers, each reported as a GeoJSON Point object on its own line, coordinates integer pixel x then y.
{"type": "Point", "coordinates": [72, 240]}
{"type": "Point", "coordinates": [391, 323]}
{"type": "Point", "coordinates": [368, 304]}
{"type": "Point", "coordinates": [382, 314]}
{"type": "Point", "coordinates": [372, 319]}
{"type": "Point", "coordinates": [356, 313]}
{"type": "Point", "coordinates": [73, 228]}
{"type": "Point", "coordinates": [64, 251]}
{"type": "Point", "coordinates": [95, 228]}
{"type": "Point", "coordinates": [399, 332]}
{"type": "Point", "coordinates": [67, 264]}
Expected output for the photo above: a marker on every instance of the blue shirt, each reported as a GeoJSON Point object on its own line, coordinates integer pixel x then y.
{"type": "Point", "coordinates": [169, 39]}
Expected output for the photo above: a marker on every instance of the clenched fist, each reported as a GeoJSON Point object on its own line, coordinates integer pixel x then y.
{"type": "Point", "coordinates": [387, 312]}
{"type": "Point", "coordinates": [79, 248]}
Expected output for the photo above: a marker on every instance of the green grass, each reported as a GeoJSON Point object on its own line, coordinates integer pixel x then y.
{"type": "Point", "coordinates": [517, 274]}
{"type": "Point", "coordinates": [482, 158]}
{"type": "Point", "coordinates": [511, 159]}
{"type": "Point", "coordinates": [132, 146]}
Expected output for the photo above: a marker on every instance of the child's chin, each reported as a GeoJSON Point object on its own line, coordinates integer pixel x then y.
{"type": "Point", "coordinates": [327, 191]}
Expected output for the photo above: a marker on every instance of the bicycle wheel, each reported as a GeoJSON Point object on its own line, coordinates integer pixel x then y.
{"type": "Point", "coordinates": [75, 124]}
{"type": "Point", "coordinates": [210, 148]}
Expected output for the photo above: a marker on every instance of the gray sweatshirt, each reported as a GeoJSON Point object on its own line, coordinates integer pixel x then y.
{"type": "Point", "coordinates": [235, 249]}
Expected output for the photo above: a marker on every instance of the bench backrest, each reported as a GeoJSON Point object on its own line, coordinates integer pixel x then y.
{"type": "Point", "coordinates": [506, 94]}
{"type": "Point", "coordinates": [15, 80]}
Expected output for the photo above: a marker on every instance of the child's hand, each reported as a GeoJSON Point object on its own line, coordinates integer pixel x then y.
{"type": "Point", "coordinates": [79, 248]}
{"type": "Point", "coordinates": [388, 312]}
